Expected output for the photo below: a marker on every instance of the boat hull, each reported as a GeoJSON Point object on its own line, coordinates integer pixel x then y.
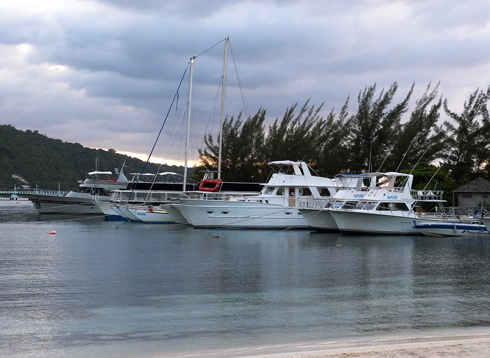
{"type": "Point", "coordinates": [54, 204]}
{"type": "Point", "coordinates": [319, 220]}
{"type": "Point", "coordinates": [242, 215]}
{"type": "Point", "coordinates": [174, 210]}
{"type": "Point", "coordinates": [440, 229]}
{"type": "Point", "coordinates": [375, 223]}
{"type": "Point", "coordinates": [108, 209]}
{"type": "Point", "coordinates": [156, 217]}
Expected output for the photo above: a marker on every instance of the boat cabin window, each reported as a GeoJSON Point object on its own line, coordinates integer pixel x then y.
{"type": "Point", "coordinates": [366, 205]}
{"type": "Point", "coordinates": [291, 191]}
{"type": "Point", "coordinates": [268, 190]}
{"type": "Point", "coordinates": [324, 191]}
{"type": "Point", "coordinates": [349, 205]}
{"type": "Point", "coordinates": [335, 204]}
{"type": "Point", "coordinates": [361, 205]}
{"type": "Point", "coordinates": [392, 207]}
{"type": "Point", "coordinates": [370, 206]}
{"type": "Point", "coordinates": [304, 192]}
{"type": "Point", "coordinates": [280, 191]}
{"type": "Point", "coordinates": [94, 191]}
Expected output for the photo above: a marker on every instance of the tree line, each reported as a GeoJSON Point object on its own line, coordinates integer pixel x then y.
{"type": "Point", "coordinates": [29, 156]}
{"type": "Point", "coordinates": [370, 139]}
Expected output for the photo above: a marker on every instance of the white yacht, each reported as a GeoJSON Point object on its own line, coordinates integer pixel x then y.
{"type": "Point", "coordinates": [353, 187]}
{"type": "Point", "coordinates": [144, 191]}
{"type": "Point", "coordinates": [388, 208]}
{"type": "Point", "coordinates": [277, 205]}
{"type": "Point", "coordinates": [96, 188]}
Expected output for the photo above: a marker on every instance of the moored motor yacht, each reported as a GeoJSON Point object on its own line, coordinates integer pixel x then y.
{"type": "Point", "coordinates": [276, 207]}
{"type": "Point", "coordinates": [351, 187]}
{"type": "Point", "coordinates": [96, 188]}
{"type": "Point", "coordinates": [388, 208]}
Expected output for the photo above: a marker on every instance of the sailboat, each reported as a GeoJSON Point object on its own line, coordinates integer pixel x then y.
{"type": "Point", "coordinates": [209, 184]}
{"type": "Point", "coordinates": [119, 208]}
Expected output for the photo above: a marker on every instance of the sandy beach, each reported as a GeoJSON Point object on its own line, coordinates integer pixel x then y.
{"type": "Point", "coordinates": [451, 346]}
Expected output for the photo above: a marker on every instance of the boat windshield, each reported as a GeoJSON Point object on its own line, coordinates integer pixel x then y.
{"type": "Point", "coordinates": [268, 190]}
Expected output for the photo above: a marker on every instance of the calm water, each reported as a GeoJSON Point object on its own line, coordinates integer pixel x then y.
{"type": "Point", "coordinates": [104, 289]}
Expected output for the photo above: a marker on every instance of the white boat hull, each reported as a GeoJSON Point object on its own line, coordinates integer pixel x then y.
{"type": "Point", "coordinates": [239, 214]}
{"type": "Point", "coordinates": [109, 211]}
{"type": "Point", "coordinates": [320, 220]}
{"type": "Point", "coordinates": [155, 217]}
{"type": "Point", "coordinates": [76, 203]}
{"type": "Point", "coordinates": [440, 229]}
{"type": "Point", "coordinates": [174, 210]}
{"type": "Point", "coordinates": [375, 223]}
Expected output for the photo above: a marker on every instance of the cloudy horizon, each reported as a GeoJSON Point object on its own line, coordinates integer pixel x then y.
{"type": "Point", "coordinates": [103, 73]}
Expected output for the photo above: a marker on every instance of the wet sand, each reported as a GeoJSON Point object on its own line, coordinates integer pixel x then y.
{"type": "Point", "coordinates": [452, 346]}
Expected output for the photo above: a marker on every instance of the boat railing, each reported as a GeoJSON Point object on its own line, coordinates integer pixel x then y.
{"type": "Point", "coordinates": [440, 216]}
{"type": "Point", "coordinates": [143, 196]}
{"type": "Point", "coordinates": [391, 189]}
{"type": "Point", "coordinates": [427, 195]}
{"type": "Point", "coordinates": [198, 195]}
{"type": "Point", "coordinates": [449, 213]}
{"type": "Point", "coordinates": [312, 203]}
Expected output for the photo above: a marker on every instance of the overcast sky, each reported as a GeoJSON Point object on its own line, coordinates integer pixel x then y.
{"type": "Point", "coordinates": [103, 73]}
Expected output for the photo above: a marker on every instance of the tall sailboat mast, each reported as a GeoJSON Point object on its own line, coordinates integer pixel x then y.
{"type": "Point", "coordinates": [188, 121]}
{"type": "Point", "coordinates": [223, 84]}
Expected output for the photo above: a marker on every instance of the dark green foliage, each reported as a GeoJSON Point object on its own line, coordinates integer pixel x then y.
{"type": "Point", "coordinates": [469, 140]}
{"type": "Point", "coordinates": [295, 137]}
{"type": "Point", "coordinates": [47, 163]}
{"type": "Point", "coordinates": [374, 128]}
{"type": "Point", "coordinates": [334, 143]}
{"type": "Point", "coordinates": [429, 177]}
{"type": "Point", "coordinates": [242, 149]}
{"type": "Point", "coordinates": [420, 138]}
{"type": "Point", "coordinates": [373, 138]}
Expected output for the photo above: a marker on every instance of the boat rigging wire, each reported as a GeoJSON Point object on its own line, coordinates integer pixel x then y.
{"type": "Point", "coordinates": [242, 93]}
{"type": "Point", "coordinates": [405, 154]}
{"type": "Point", "coordinates": [176, 96]}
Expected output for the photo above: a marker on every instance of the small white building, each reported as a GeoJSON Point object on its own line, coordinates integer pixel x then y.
{"type": "Point", "coordinates": [473, 194]}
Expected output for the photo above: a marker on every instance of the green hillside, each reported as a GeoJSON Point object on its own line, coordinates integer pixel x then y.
{"type": "Point", "coordinates": [46, 163]}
